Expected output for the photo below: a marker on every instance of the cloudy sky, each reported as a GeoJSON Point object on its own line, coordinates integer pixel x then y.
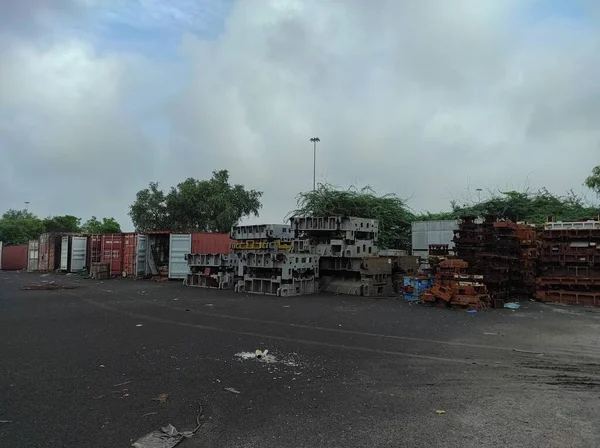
{"type": "Point", "coordinates": [429, 99]}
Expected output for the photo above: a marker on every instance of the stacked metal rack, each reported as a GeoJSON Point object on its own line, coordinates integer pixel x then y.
{"type": "Point", "coordinates": [348, 261]}
{"type": "Point", "coordinates": [468, 241]}
{"type": "Point", "coordinates": [569, 263]}
{"type": "Point", "coordinates": [527, 236]}
{"type": "Point", "coordinates": [498, 251]}
{"type": "Point", "coordinates": [212, 270]}
{"type": "Point", "coordinates": [272, 262]}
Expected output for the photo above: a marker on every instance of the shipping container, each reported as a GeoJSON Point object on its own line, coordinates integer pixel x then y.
{"type": "Point", "coordinates": [179, 246]}
{"type": "Point", "coordinates": [134, 254]}
{"type": "Point", "coordinates": [211, 243]}
{"type": "Point", "coordinates": [34, 255]}
{"type": "Point", "coordinates": [157, 253]}
{"type": "Point", "coordinates": [94, 249]}
{"type": "Point", "coordinates": [111, 245]}
{"type": "Point", "coordinates": [49, 252]}
{"type": "Point", "coordinates": [425, 233]}
{"type": "Point", "coordinates": [73, 253]}
{"type": "Point", "coordinates": [14, 258]}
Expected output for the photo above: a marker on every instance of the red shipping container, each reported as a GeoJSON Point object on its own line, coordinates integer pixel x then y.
{"type": "Point", "coordinates": [48, 256]}
{"type": "Point", "coordinates": [130, 242]}
{"type": "Point", "coordinates": [94, 250]}
{"type": "Point", "coordinates": [14, 258]}
{"type": "Point", "coordinates": [112, 252]}
{"type": "Point", "coordinates": [211, 243]}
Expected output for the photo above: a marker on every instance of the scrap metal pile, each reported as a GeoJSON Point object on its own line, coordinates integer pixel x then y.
{"type": "Point", "coordinates": [570, 263]}
{"type": "Point", "coordinates": [311, 254]}
{"type": "Point", "coordinates": [348, 257]}
{"type": "Point", "coordinates": [273, 263]}
{"type": "Point", "coordinates": [455, 287]}
{"type": "Point", "coordinates": [495, 250]}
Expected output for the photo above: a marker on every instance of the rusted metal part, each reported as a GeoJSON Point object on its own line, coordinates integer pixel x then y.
{"type": "Point", "coordinates": [571, 234]}
{"type": "Point", "coordinates": [547, 270]}
{"type": "Point", "coordinates": [567, 281]}
{"type": "Point", "coordinates": [570, 297]}
{"type": "Point", "coordinates": [454, 287]}
{"type": "Point", "coordinates": [569, 265]}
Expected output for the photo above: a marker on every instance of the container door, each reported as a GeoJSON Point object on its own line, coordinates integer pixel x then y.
{"type": "Point", "coordinates": [179, 246]}
{"type": "Point", "coordinates": [64, 253]}
{"type": "Point", "coordinates": [129, 254]}
{"type": "Point", "coordinates": [34, 256]}
{"type": "Point", "coordinates": [142, 244]}
{"type": "Point", "coordinates": [78, 253]}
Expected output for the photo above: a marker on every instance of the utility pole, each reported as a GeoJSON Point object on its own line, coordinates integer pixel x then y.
{"type": "Point", "coordinates": [315, 140]}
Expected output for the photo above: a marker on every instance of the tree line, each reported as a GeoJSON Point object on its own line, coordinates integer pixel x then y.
{"type": "Point", "coordinates": [20, 226]}
{"type": "Point", "coordinates": [216, 205]}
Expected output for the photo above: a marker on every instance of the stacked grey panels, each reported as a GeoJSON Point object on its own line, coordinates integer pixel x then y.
{"type": "Point", "coordinates": [262, 232]}
{"type": "Point", "coordinates": [271, 262]}
{"type": "Point", "coordinates": [348, 261]}
{"type": "Point", "coordinates": [211, 270]}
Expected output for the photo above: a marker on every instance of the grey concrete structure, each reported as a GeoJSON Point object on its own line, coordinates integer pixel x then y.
{"type": "Point", "coordinates": [212, 270]}
{"type": "Point", "coordinates": [281, 232]}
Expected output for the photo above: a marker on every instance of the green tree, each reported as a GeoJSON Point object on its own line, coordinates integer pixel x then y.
{"type": "Point", "coordinates": [107, 225]}
{"type": "Point", "coordinates": [534, 207]}
{"type": "Point", "coordinates": [593, 180]}
{"type": "Point", "coordinates": [391, 211]}
{"type": "Point", "coordinates": [66, 223]}
{"type": "Point", "coordinates": [149, 211]}
{"type": "Point", "coordinates": [19, 226]}
{"type": "Point", "coordinates": [212, 205]}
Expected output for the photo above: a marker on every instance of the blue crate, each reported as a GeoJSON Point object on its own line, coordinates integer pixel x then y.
{"type": "Point", "coordinates": [411, 297]}
{"type": "Point", "coordinates": [419, 285]}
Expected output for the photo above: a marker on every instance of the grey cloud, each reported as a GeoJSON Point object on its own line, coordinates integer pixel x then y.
{"type": "Point", "coordinates": [27, 17]}
{"type": "Point", "coordinates": [425, 99]}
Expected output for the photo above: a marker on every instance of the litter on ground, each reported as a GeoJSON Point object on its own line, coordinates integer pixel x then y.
{"type": "Point", "coordinates": [167, 436]}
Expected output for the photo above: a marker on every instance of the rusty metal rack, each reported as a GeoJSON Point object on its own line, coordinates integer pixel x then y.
{"type": "Point", "coordinates": [498, 251]}
{"type": "Point", "coordinates": [569, 263]}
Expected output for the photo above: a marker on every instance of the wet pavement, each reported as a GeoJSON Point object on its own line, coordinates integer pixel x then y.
{"type": "Point", "coordinates": [87, 367]}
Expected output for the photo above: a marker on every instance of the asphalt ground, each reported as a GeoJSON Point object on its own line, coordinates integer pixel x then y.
{"type": "Point", "coordinates": [84, 367]}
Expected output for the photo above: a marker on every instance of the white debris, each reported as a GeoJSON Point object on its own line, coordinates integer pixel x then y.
{"type": "Point", "coordinates": [258, 355]}
{"type": "Point", "coordinates": [267, 358]}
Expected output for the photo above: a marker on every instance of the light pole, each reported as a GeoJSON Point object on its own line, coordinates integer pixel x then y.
{"type": "Point", "coordinates": [315, 140]}
{"type": "Point", "coordinates": [26, 205]}
{"type": "Point", "coordinates": [478, 195]}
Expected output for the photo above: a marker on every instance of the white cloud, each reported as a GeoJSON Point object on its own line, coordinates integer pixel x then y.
{"type": "Point", "coordinates": [418, 98]}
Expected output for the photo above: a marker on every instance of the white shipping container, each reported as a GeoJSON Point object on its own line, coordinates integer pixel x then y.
{"type": "Point", "coordinates": [73, 253]}
{"type": "Point", "coordinates": [33, 256]}
{"type": "Point", "coordinates": [425, 233]}
{"type": "Point", "coordinates": [179, 246]}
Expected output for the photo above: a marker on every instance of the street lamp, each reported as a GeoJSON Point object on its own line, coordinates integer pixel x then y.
{"type": "Point", "coordinates": [26, 205]}
{"type": "Point", "coordinates": [478, 195]}
{"type": "Point", "coordinates": [315, 140]}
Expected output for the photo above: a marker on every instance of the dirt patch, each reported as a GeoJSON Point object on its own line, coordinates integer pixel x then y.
{"type": "Point", "coordinates": [47, 287]}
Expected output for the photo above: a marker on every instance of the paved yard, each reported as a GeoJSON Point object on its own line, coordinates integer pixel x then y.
{"type": "Point", "coordinates": [83, 367]}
